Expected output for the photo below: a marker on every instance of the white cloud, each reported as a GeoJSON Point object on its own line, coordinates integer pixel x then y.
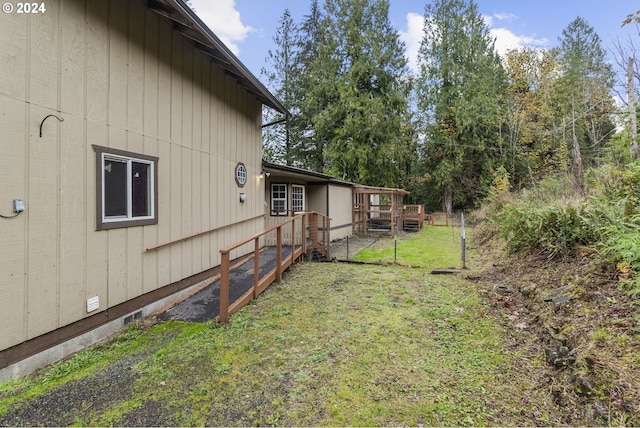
{"type": "Point", "coordinates": [505, 16]}
{"type": "Point", "coordinates": [507, 39]}
{"type": "Point", "coordinates": [488, 20]}
{"type": "Point", "coordinates": [224, 20]}
{"type": "Point", "coordinates": [412, 38]}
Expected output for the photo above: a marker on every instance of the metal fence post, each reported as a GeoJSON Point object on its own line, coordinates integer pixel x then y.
{"type": "Point", "coordinates": [462, 235]}
{"type": "Point", "coordinates": [395, 250]}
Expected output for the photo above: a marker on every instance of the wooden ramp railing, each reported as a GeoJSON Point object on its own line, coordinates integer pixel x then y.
{"type": "Point", "coordinates": [312, 236]}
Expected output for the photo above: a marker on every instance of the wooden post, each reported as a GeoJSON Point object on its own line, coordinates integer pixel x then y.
{"type": "Point", "coordinates": [304, 235]}
{"type": "Point", "coordinates": [367, 211]}
{"type": "Point", "coordinates": [224, 287]}
{"type": "Point", "coordinates": [325, 236]}
{"type": "Point", "coordinates": [393, 214]}
{"type": "Point", "coordinates": [354, 204]}
{"type": "Point", "coordinates": [293, 238]}
{"type": "Point", "coordinates": [256, 267]}
{"type": "Point", "coordinates": [313, 230]}
{"type": "Point", "coordinates": [279, 254]}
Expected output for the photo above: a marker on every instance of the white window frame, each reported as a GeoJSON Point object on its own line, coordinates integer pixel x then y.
{"type": "Point", "coordinates": [294, 208]}
{"type": "Point", "coordinates": [128, 220]}
{"type": "Point", "coordinates": [273, 211]}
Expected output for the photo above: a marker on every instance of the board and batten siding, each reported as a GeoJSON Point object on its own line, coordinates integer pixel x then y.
{"type": "Point", "coordinates": [340, 210]}
{"type": "Point", "coordinates": [120, 77]}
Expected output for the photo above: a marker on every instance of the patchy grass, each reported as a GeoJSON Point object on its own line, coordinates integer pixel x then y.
{"type": "Point", "coordinates": [76, 367]}
{"type": "Point", "coordinates": [432, 247]}
{"type": "Point", "coordinates": [333, 344]}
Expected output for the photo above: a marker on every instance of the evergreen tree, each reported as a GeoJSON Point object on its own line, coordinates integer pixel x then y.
{"type": "Point", "coordinates": [280, 140]}
{"type": "Point", "coordinates": [316, 90]}
{"type": "Point", "coordinates": [368, 120]}
{"type": "Point", "coordinates": [461, 88]}
{"type": "Point", "coordinates": [342, 74]}
{"type": "Point", "coordinates": [584, 93]}
{"type": "Point", "coordinates": [354, 120]}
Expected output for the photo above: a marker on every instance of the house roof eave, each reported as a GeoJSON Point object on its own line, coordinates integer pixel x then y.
{"type": "Point", "coordinates": [187, 23]}
{"type": "Point", "coordinates": [292, 171]}
{"type": "Point", "coordinates": [319, 177]}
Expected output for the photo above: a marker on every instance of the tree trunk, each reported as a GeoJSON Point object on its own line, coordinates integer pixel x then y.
{"type": "Point", "coordinates": [576, 166]}
{"type": "Point", "coordinates": [447, 202]}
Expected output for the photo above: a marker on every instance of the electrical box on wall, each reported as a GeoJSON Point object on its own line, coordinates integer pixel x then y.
{"type": "Point", "coordinates": [18, 205]}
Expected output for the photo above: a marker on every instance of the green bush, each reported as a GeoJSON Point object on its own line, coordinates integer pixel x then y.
{"type": "Point", "coordinates": [618, 231]}
{"type": "Point", "coordinates": [554, 220]}
{"type": "Point", "coordinates": [615, 184]}
{"type": "Point", "coordinates": [552, 230]}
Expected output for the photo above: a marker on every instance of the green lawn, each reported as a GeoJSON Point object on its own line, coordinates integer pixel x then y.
{"type": "Point", "coordinates": [432, 247]}
{"type": "Point", "coordinates": [333, 344]}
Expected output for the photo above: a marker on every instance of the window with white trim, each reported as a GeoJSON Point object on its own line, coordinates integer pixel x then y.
{"type": "Point", "coordinates": [126, 188]}
{"type": "Point", "coordinates": [297, 198]}
{"type": "Point", "coordinates": [278, 199]}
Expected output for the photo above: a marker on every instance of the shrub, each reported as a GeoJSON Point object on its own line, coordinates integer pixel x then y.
{"type": "Point", "coordinates": [553, 220]}
{"type": "Point", "coordinates": [552, 230]}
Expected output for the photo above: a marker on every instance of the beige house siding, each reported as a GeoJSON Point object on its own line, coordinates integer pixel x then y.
{"type": "Point", "coordinates": [120, 77]}
{"type": "Point", "coordinates": [340, 211]}
{"type": "Point", "coordinates": [317, 198]}
{"type": "Point", "coordinates": [322, 195]}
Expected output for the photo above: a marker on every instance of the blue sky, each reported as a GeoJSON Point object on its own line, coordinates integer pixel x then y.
{"type": "Point", "coordinates": [248, 26]}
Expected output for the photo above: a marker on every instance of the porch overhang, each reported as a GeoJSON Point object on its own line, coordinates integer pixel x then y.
{"type": "Point", "coordinates": [296, 173]}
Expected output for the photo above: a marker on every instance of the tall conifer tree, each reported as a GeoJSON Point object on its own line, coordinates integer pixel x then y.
{"type": "Point", "coordinates": [316, 90]}
{"type": "Point", "coordinates": [584, 91]}
{"type": "Point", "coordinates": [460, 92]}
{"type": "Point", "coordinates": [369, 123]}
{"type": "Point", "coordinates": [280, 140]}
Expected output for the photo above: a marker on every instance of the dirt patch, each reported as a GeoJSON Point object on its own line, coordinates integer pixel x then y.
{"type": "Point", "coordinates": [347, 248]}
{"type": "Point", "coordinates": [578, 324]}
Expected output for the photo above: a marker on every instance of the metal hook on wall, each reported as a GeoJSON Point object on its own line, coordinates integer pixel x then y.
{"type": "Point", "coordinates": [46, 117]}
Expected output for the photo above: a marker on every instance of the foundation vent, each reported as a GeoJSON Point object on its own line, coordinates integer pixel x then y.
{"type": "Point", "coordinates": [93, 304]}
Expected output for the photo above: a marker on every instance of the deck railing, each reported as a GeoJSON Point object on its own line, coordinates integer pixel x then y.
{"type": "Point", "coordinates": [414, 214]}
{"type": "Point", "coordinates": [313, 235]}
